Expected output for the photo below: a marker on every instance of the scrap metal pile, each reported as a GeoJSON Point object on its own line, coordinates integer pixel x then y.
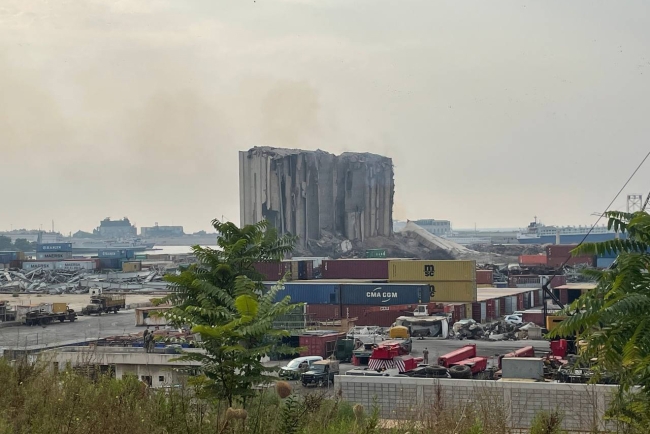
{"type": "Point", "coordinates": [494, 331]}
{"type": "Point", "coordinates": [42, 280]}
{"type": "Point", "coordinates": [141, 280]}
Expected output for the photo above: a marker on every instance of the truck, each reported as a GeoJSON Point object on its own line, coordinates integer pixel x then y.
{"type": "Point", "coordinates": [46, 314]}
{"type": "Point", "coordinates": [104, 303]}
{"type": "Point", "coordinates": [320, 374]}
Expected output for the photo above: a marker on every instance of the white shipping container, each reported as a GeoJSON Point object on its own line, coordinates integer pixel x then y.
{"type": "Point", "coordinates": [53, 255]}
{"type": "Point", "coordinates": [33, 265]}
{"type": "Point", "coordinates": [76, 265]}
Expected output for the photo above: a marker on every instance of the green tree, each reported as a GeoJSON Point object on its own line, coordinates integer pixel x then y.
{"type": "Point", "coordinates": [5, 244]}
{"type": "Point", "coordinates": [222, 298]}
{"type": "Point", "coordinates": [614, 319]}
{"type": "Point", "coordinates": [22, 245]}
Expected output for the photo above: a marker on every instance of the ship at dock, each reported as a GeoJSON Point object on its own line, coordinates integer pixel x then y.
{"type": "Point", "coordinates": [538, 233]}
{"type": "Point", "coordinates": [93, 246]}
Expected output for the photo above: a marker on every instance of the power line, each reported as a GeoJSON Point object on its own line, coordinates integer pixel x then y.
{"type": "Point", "coordinates": [545, 286]}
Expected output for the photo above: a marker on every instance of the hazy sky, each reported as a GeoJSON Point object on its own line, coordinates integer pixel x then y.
{"type": "Point", "coordinates": [493, 111]}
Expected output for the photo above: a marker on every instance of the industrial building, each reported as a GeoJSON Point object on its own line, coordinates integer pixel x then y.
{"type": "Point", "coordinates": [116, 228]}
{"type": "Point", "coordinates": [436, 227]}
{"type": "Point", "coordinates": [306, 192]}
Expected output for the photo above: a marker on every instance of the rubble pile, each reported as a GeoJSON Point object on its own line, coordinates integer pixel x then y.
{"type": "Point", "coordinates": [42, 280]}
{"type": "Point", "coordinates": [494, 331]}
{"type": "Point", "coordinates": [140, 280]}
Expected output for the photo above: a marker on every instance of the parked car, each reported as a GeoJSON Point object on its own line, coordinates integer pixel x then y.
{"type": "Point", "coordinates": [321, 373]}
{"type": "Point", "coordinates": [514, 319]}
{"type": "Point", "coordinates": [296, 367]}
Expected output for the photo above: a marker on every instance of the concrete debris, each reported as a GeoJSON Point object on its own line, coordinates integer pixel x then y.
{"type": "Point", "coordinates": [494, 331]}
{"type": "Point", "coordinates": [42, 280]}
{"type": "Point", "coordinates": [65, 282]}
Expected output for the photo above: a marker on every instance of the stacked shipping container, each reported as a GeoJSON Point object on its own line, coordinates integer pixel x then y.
{"type": "Point", "coordinates": [355, 269]}
{"type": "Point", "coordinates": [557, 254]}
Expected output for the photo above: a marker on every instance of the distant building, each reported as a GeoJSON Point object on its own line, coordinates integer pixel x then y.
{"type": "Point", "coordinates": [436, 227]}
{"type": "Point", "coordinates": [162, 231]}
{"type": "Point", "coordinates": [116, 228]}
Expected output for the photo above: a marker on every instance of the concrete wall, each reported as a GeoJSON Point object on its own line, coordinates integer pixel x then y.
{"type": "Point", "coordinates": [404, 398]}
{"type": "Point", "coordinates": [304, 192]}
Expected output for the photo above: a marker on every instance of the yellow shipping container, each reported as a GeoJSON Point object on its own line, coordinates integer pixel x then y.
{"type": "Point", "coordinates": [59, 307]}
{"type": "Point", "coordinates": [453, 292]}
{"type": "Point", "coordinates": [432, 271]}
{"type": "Point", "coordinates": [130, 267]}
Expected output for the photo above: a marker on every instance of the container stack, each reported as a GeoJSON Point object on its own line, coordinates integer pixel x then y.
{"type": "Point", "coordinates": [449, 281]}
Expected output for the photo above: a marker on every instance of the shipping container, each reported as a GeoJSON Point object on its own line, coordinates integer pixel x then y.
{"type": "Point", "coordinates": [490, 309]}
{"type": "Point", "coordinates": [316, 261]}
{"type": "Point", "coordinates": [484, 277]}
{"type": "Point", "coordinates": [370, 316]}
{"type": "Point", "coordinates": [483, 311]}
{"type": "Point", "coordinates": [476, 312]}
{"type": "Point", "coordinates": [109, 264]}
{"type": "Point", "coordinates": [323, 312]}
{"type": "Point", "coordinates": [273, 271]}
{"type": "Point", "coordinates": [75, 265]}
{"type": "Point", "coordinates": [301, 270]}
{"type": "Point", "coordinates": [502, 306]}
{"type": "Point", "coordinates": [508, 301]}
{"type": "Point", "coordinates": [534, 316]}
{"type": "Point", "coordinates": [112, 253]}
{"type": "Point", "coordinates": [9, 256]}
{"type": "Point", "coordinates": [555, 282]}
{"type": "Point", "coordinates": [520, 302]}
{"type": "Point", "coordinates": [319, 345]}
{"type": "Point", "coordinates": [54, 247]}
{"type": "Point", "coordinates": [432, 271]}
{"type": "Point", "coordinates": [33, 265]}
{"type": "Point", "coordinates": [468, 310]}
{"type": "Point", "coordinates": [384, 293]}
{"type": "Point", "coordinates": [53, 255]}
{"type": "Point", "coordinates": [308, 292]}
{"type": "Point", "coordinates": [453, 291]}
{"type": "Point", "coordinates": [532, 260]}
{"type": "Point", "coordinates": [131, 266]}
{"type": "Point", "coordinates": [355, 269]}
{"type": "Point", "coordinates": [604, 262]}
{"type": "Point", "coordinates": [559, 253]}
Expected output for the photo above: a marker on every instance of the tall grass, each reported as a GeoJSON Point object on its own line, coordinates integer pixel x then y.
{"type": "Point", "coordinates": [34, 400]}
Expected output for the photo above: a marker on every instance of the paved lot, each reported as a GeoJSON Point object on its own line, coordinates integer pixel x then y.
{"type": "Point", "coordinates": [85, 327]}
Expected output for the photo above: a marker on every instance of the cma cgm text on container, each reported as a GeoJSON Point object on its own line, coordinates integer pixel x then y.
{"type": "Point", "coordinates": [384, 293]}
{"type": "Point", "coordinates": [432, 271]}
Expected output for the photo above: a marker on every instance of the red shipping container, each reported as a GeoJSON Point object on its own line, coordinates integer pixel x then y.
{"type": "Point", "coordinates": [557, 281]}
{"type": "Point", "coordinates": [502, 306]}
{"type": "Point", "coordinates": [323, 312]}
{"type": "Point", "coordinates": [520, 302]}
{"type": "Point", "coordinates": [533, 260]}
{"type": "Point", "coordinates": [379, 319]}
{"type": "Point", "coordinates": [476, 312]}
{"type": "Point", "coordinates": [355, 269]}
{"type": "Point", "coordinates": [559, 253]}
{"type": "Point", "coordinates": [536, 317]}
{"type": "Point", "coordinates": [484, 277]}
{"type": "Point", "coordinates": [273, 271]}
{"type": "Point", "coordinates": [564, 296]}
{"type": "Point", "coordinates": [319, 345]}
{"type": "Point", "coordinates": [491, 312]}
{"type": "Point", "coordinates": [538, 301]}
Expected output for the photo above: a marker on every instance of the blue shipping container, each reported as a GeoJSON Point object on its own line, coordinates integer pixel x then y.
{"type": "Point", "coordinates": [112, 253]}
{"type": "Point", "coordinates": [54, 247]}
{"type": "Point", "coordinates": [7, 257]}
{"type": "Point", "coordinates": [604, 262]}
{"type": "Point", "coordinates": [310, 293]}
{"type": "Point", "coordinates": [384, 294]}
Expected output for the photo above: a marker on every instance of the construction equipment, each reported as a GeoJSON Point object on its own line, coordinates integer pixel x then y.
{"type": "Point", "coordinates": [103, 303]}
{"type": "Point", "coordinates": [40, 315]}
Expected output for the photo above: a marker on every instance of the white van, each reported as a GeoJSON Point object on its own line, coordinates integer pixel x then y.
{"type": "Point", "coordinates": [297, 366]}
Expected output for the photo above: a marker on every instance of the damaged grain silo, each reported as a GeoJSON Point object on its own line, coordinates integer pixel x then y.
{"type": "Point", "coordinates": [306, 192]}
